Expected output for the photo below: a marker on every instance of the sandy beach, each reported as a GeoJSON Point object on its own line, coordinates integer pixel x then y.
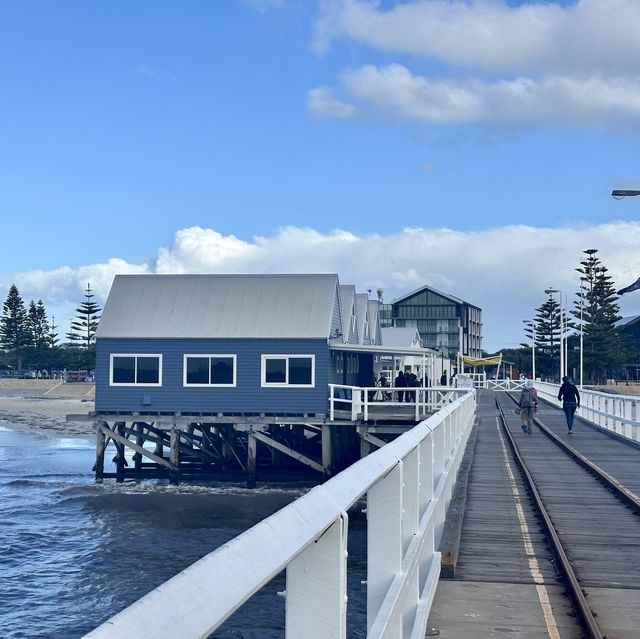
{"type": "Point", "coordinates": [31, 407]}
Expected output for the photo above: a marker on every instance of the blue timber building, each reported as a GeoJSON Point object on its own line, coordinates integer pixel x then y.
{"type": "Point", "coordinates": [205, 367]}
{"type": "Point", "coordinates": [232, 344]}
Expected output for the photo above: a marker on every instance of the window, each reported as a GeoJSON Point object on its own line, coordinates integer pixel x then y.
{"type": "Point", "coordinates": [288, 370]}
{"type": "Point", "coordinates": [209, 370]}
{"type": "Point", "coordinates": [135, 370]}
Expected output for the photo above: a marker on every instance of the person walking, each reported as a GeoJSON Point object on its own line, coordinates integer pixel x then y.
{"type": "Point", "coordinates": [528, 405]}
{"type": "Point", "coordinates": [570, 397]}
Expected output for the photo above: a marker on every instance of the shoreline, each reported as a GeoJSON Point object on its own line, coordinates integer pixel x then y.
{"type": "Point", "coordinates": [32, 410]}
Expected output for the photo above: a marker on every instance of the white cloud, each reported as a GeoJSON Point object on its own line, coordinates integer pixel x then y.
{"type": "Point", "coordinates": [503, 270]}
{"type": "Point", "coordinates": [493, 35]}
{"type": "Point", "coordinates": [532, 64]}
{"type": "Point", "coordinates": [395, 92]}
{"type": "Point", "coordinates": [322, 103]}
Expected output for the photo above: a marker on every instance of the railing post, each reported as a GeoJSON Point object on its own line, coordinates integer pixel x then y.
{"type": "Point", "coordinates": [410, 526]}
{"type": "Point", "coordinates": [331, 402]}
{"type": "Point", "coordinates": [356, 403]}
{"type": "Point", "coordinates": [317, 587]}
{"type": "Point", "coordinates": [384, 541]}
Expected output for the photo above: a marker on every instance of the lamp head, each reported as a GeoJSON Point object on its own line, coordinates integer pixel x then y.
{"type": "Point", "coordinates": [618, 194]}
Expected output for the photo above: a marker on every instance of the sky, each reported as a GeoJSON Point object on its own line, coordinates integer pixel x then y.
{"type": "Point", "coordinates": [467, 145]}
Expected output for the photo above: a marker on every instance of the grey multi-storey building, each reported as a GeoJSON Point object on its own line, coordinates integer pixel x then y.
{"type": "Point", "coordinates": [441, 319]}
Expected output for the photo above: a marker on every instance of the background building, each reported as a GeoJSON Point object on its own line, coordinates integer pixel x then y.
{"type": "Point", "coordinates": [441, 320]}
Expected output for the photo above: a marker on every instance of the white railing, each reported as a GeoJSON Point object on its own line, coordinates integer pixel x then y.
{"type": "Point", "coordinates": [616, 413]}
{"type": "Point", "coordinates": [361, 401]}
{"type": "Point", "coordinates": [408, 485]}
{"type": "Point", "coordinates": [505, 384]}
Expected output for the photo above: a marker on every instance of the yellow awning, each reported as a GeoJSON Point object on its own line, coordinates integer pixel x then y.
{"type": "Point", "coordinates": [486, 361]}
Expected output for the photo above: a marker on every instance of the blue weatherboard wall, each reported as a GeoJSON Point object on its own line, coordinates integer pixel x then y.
{"type": "Point", "coordinates": [246, 397]}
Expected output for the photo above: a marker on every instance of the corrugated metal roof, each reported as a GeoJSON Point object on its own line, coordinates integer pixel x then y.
{"type": "Point", "coordinates": [201, 306]}
{"type": "Point", "coordinates": [400, 336]}
{"type": "Point", "coordinates": [347, 298]}
{"type": "Point", "coordinates": [362, 314]}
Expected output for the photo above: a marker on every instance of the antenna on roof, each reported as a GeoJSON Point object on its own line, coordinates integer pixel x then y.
{"type": "Point", "coordinates": [379, 293]}
{"type": "Point", "coordinates": [368, 292]}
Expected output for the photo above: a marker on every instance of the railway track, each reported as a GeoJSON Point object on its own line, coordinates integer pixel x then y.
{"type": "Point", "coordinates": [591, 519]}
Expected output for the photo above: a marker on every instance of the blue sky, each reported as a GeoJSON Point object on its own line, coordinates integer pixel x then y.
{"type": "Point", "coordinates": [151, 135]}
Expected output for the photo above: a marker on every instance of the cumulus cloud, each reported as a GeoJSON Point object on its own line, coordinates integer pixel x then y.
{"type": "Point", "coordinates": [503, 270]}
{"type": "Point", "coordinates": [394, 91]}
{"type": "Point", "coordinates": [531, 64]}
{"type": "Point", "coordinates": [494, 35]}
{"type": "Point", "coordinates": [322, 103]}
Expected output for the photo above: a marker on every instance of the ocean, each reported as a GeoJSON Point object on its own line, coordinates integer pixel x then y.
{"type": "Point", "coordinates": [73, 553]}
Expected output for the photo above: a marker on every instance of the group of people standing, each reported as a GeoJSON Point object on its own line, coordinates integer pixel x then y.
{"type": "Point", "coordinates": [402, 382]}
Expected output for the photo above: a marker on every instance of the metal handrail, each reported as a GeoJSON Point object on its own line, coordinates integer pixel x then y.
{"type": "Point", "coordinates": [408, 484]}
{"type": "Point", "coordinates": [594, 408]}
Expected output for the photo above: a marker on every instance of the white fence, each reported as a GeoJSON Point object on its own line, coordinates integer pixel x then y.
{"type": "Point", "coordinates": [505, 384]}
{"type": "Point", "coordinates": [361, 401]}
{"type": "Point", "coordinates": [617, 413]}
{"type": "Point", "coordinates": [408, 485]}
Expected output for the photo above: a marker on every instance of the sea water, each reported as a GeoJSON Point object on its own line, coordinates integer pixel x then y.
{"type": "Point", "coordinates": [73, 553]}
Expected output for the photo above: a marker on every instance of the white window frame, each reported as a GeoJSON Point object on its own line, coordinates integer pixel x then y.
{"type": "Point", "coordinates": [209, 355]}
{"type": "Point", "coordinates": [135, 355]}
{"type": "Point", "coordinates": [263, 370]}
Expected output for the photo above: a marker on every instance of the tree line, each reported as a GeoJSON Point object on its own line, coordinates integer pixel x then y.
{"type": "Point", "coordinates": [29, 338]}
{"type": "Point", "coordinates": [591, 329]}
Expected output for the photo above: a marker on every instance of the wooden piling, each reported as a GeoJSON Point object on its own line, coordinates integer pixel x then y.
{"type": "Point", "coordinates": [120, 458]}
{"type": "Point", "coordinates": [101, 445]}
{"type": "Point", "coordinates": [174, 458]}
{"type": "Point", "coordinates": [252, 450]}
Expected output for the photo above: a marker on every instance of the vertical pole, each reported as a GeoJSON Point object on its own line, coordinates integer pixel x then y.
{"type": "Point", "coordinates": [120, 460]}
{"type": "Point", "coordinates": [174, 457]}
{"type": "Point", "coordinates": [101, 444]}
{"type": "Point", "coordinates": [327, 450]}
{"type": "Point", "coordinates": [581, 333]}
{"type": "Point", "coordinates": [252, 449]}
{"type": "Point", "coordinates": [139, 441]}
{"type": "Point", "coordinates": [533, 351]}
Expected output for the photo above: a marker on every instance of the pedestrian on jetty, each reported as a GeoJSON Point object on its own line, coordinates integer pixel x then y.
{"type": "Point", "coordinates": [400, 382]}
{"type": "Point", "coordinates": [528, 404]}
{"type": "Point", "coordinates": [570, 397]}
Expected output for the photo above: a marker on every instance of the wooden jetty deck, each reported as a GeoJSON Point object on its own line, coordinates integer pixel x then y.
{"type": "Point", "coordinates": [505, 576]}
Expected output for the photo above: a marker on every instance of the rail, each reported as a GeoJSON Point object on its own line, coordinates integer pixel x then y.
{"type": "Point", "coordinates": [408, 485]}
{"type": "Point", "coordinates": [361, 401]}
{"type": "Point", "coordinates": [562, 560]}
{"type": "Point", "coordinates": [618, 414]}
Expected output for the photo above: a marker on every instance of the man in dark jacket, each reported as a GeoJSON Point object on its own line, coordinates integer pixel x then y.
{"type": "Point", "coordinates": [400, 382]}
{"type": "Point", "coordinates": [570, 397]}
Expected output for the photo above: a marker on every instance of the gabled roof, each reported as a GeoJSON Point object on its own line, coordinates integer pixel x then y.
{"type": "Point", "coordinates": [401, 336]}
{"type": "Point", "coordinates": [448, 296]}
{"type": "Point", "coordinates": [347, 300]}
{"type": "Point", "coordinates": [362, 314]}
{"type": "Point", "coordinates": [219, 306]}
{"type": "Point", "coordinates": [374, 321]}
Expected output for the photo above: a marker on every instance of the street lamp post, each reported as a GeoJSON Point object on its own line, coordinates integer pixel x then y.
{"type": "Point", "coordinates": [533, 347]}
{"type": "Point", "coordinates": [550, 291]}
